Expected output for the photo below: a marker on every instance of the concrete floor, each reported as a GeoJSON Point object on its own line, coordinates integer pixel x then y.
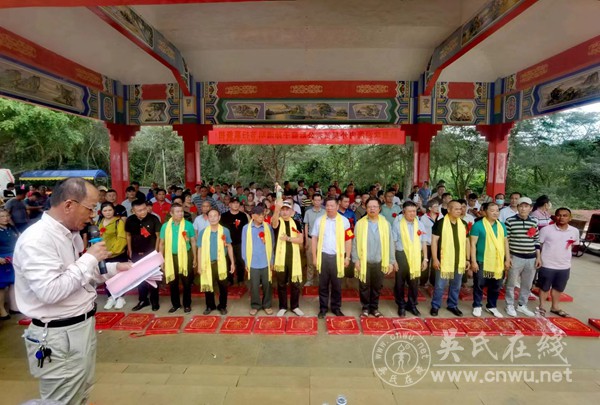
{"type": "Point", "coordinates": [225, 369]}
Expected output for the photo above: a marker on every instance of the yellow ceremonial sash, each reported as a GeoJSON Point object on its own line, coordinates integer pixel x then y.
{"type": "Point", "coordinates": [412, 248]}
{"type": "Point", "coordinates": [362, 232]}
{"type": "Point", "coordinates": [447, 254]}
{"type": "Point", "coordinates": [280, 250]}
{"type": "Point", "coordinates": [206, 281]}
{"type": "Point", "coordinates": [268, 243]}
{"type": "Point", "coordinates": [182, 255]}
{"type": "Point", "coordinates": [493, 255]}
{"type": "Point", "coordinates": [340, 239]}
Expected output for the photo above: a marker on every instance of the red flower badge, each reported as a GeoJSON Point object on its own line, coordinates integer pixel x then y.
{"type": "Point", "coordinates": [261, 235]}
{"type": "Point", "coordinates": [185, 235]}
{"type": "Point", "coordinates": [102, 231]}
{"type": "Point", "coordinates": [570, 243]}
{"type": "Point", "coordinates": [531, 232]}
{"type": "Point", "coordinates": [394, 215]}
{"type": "Point", "coordinates": [144, 232]}
{"type": "Point", "coordinates": [469, 226]}
{"type": "Point", "coordinates": [224, 238]}
{"type": "Point", "coordinates": [237, 223]}
{"type": "Point", "coordinates": [419, 232]}
{"type": "Point", "coordinates": [294, 229]}
{"type": "Point", "coordinates": [268, 219]}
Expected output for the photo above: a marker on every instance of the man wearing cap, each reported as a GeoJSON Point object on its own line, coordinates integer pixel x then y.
{"type": "Point", "coordinates": [235, 220]}
{"type": "Point", "coordinates": [288, 265]}
{"type": "Point", "coordinates": [331, 249]}
{"type": "Point", "coordinates": [524, 246]}
{"type": "Point", "coordinates": [257, 250]}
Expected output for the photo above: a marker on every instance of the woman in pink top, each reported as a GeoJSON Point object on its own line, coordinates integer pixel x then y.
{"type": "Point", "coordinates": [542, 211]}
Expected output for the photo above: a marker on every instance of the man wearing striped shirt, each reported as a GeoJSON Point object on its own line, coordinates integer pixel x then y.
{"type": "Point", "coordinates": [524, 245]}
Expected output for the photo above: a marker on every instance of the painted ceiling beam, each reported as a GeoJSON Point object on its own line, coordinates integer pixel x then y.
{"type": "Point", "coordinates": [133, 26]}
{"type": "Point", "coordinates": [489, 19]}
{"type": "Point", "coordinates": [92, 3]}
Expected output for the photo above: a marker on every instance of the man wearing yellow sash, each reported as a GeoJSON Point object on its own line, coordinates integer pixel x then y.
{"type": "Point", "coordinates": [288, 265]}
{"type": "Point", "coordinates": [489, 258]}
{"type": "Point", "coordinates": [373, 256]}
{"type": "Point", "coordinates": [450, 254]}
{"type": "Point", "coordinates": [257, 252]}
{"type": "Point", "coordinates": [213, 242]}
{"type": "Point", "coordinates": [331, 250]}
{"type": "Point", "coordinates": [177, 236]}
{"type": "Point", "coordinates": [410, 244]}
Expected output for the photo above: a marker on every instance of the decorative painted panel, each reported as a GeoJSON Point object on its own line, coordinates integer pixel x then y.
{"type": "Point", "coordinates": [154, 112]}
{"type": "Point", "coordinates": [461, 112]}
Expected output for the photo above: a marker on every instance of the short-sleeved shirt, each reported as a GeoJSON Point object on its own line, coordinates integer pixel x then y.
{"type": "Point", "coordinates": [397, 237]}
{"type": "Point", "coordinates": [17, 210]}
{"type": "Point", "coordinates": [350, 216]}
{"type": "Point", "coordinates": [557, 245]}
{"type": "Point", "coordinates": [161, 209]}
{"type": "Point", "coordinates": [310, 216]}
{"type": "Point", "coordinates": [213, 241]}
{"type": "Point", "coordinates": [390, 213]}
{"type": "Point", "coordinates": [329, 237]}
{"type": "Point", "coordinates": [188, 228]}
{"type": "Point", "coordinates": [479, 230]}
{"type": "Point", "coordinates": [228, 220]}
{"type": "Point", "coordinates": [143, 233]}
{"type": "Point", "coordinates": [437, 230]}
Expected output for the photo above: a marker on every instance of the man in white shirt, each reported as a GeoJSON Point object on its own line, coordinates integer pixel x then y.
{"type": "Point", "coordinates": [510, 210]}
{"type": "Point", "coordinates": [56, 288]}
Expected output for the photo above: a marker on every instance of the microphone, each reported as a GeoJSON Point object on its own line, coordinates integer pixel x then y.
{"type": "Point", "coordinates": [94, 236]}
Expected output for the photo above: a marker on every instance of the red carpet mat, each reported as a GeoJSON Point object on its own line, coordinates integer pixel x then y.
{"type": "Point", "coordinates": [236, 292]}
{"type": "Point", "coordinates": [134, 322]}
{"type": "Point", "coordinates": [387, 294]}
{"type": "Point", "coordinates": [506, 326]}
{"type": "Point", "coordinates": [202, 324]}
{"type": "Point", "coordinates": [564, 297]}
{"type": "Point", "coordinates": [442, 327]}
{"type": "Point", "coordinates": [238, 325]}
{"type": "Point", "coordinates": [476, 326]}
{"type": "Point", "coordinates": [270, 325]}
{"type": "Point", "coordinates": [106, 320]}
{"type": "Point", "coordinates": [166, 325]}
{"type": "Point", "coordinates": [376, 326]}
{"type": "Point", "coordinates": [342, 325]}
{"type": "Point", "coordinates": [301, 325]}
{"type": "Point", "coordinates": [196, 291]}
{"type": "Point", "coordinates": [594, 322]}
{"type": "Point", "coordinates": [574, 327]}
{"type": "Point", "coordinates": [310, 291]}
{"type": "Point", "coordinates": [538, 326]}
{"type": "Point", "coordinates": [349, 295]}
{"type": "Point", "coordinates": [416, 325]}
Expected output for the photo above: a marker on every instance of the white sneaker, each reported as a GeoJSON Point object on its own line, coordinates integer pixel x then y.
{"type": "Point", "coordinates": [510, 310]}
{"type": "Point", "coordinates": [298, 311]}
{"type": "Point", "coordinates": [525, 311]}
{"type": "Point", "coordinates": [477, 312]}
{"type": "Point", "coordinates": [120, 303]}
{"type": "Point", "coordinates": [495, 312]}
{"type": "Point", "coordinates": [281, 312]}
{"type": "Point", "coordinates": [110, 302]}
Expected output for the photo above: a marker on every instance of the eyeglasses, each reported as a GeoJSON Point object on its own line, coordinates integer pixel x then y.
{"type": "Point", "coordinates": [84, 206]}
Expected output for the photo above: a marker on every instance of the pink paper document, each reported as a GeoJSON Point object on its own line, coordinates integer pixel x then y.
{"type": "Point", "coordinates": [145, 270]}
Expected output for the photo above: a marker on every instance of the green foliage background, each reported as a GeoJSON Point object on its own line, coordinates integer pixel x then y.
{"type": "Point", "coordinates": [558, 155]}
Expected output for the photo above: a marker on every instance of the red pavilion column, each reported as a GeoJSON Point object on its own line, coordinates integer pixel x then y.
{"type": "Point", "coordinates": [497, 137]}
{"type": "Point", "coordinates": [192, 135]}
{"type": "Point", "coordinates": [421, 136]}
{"type": "Point", "coordinates": [120, 135]}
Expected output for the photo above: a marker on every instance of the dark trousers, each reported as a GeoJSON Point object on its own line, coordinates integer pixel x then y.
{"type": "Point", "coordinates": [329, 277]}
{"type": "Point", "coordinates": [371, 289]}
{"type": "Point", "coordinates": [402, 279]}
{"type": "Point", "coordinates": [258, 277]}
{"type": "Point", "coordinates": [284, 277]}
{"type": "Point", "coordinates": [185, 280]}
{"type": "Point", "coordinates": [429, 273]}
{"type": "Point", "coordinates": [493, 288]}
{"type": "Point", "coordinates": [240, 265]}
{"type": "Point", "coordinates": [145, 288]}
{"type": "Point", "coordinates": [210, 296]}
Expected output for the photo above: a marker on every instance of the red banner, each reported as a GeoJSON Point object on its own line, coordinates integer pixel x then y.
{"type": "Point", "coordinates": [298, 136]}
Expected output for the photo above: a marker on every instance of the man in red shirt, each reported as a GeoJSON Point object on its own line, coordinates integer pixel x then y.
{"type": "Point", "coordinates": [161, 207]}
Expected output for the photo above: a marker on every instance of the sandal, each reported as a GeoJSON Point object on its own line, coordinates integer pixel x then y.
{"type": "Point", "coordinates": [377, 314]}
{"type": "Point", "coordinates": [541, 311]}
{"type": "Point", "coordinates": [559, 312]}
{"type": "Point", "coordinates": [364, 314]}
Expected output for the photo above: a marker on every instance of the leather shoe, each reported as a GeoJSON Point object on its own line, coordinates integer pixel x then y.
{"type": "Point", "coordinates": [140, 305]}
{"type": "Point", "coordinates": [173, 309]}
{"type": "Point", "coordinates": [414, 311]}
{"type": "Point", "coordinates": [456, 311]}
{"type": "Point", "coordinates": [434, 312]}
{"type": "Point", "coordinates": [223, 311]}
{"type": "Point", "coordinates": [207, 311]}
{"type": "Point", "coordinates": [338, 312]}
{"type": "Point", "coordinates": [321, 315]}
{"type": "Point", "coordinates": [401, 312]}
{"type": "Point", "coordinates": [187, 309]}
{"type": "Point", "coordinates": [155, 307]}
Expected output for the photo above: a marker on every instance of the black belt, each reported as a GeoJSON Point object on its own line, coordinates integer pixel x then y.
{"type": "Point", "coordinates": [61, 323]}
